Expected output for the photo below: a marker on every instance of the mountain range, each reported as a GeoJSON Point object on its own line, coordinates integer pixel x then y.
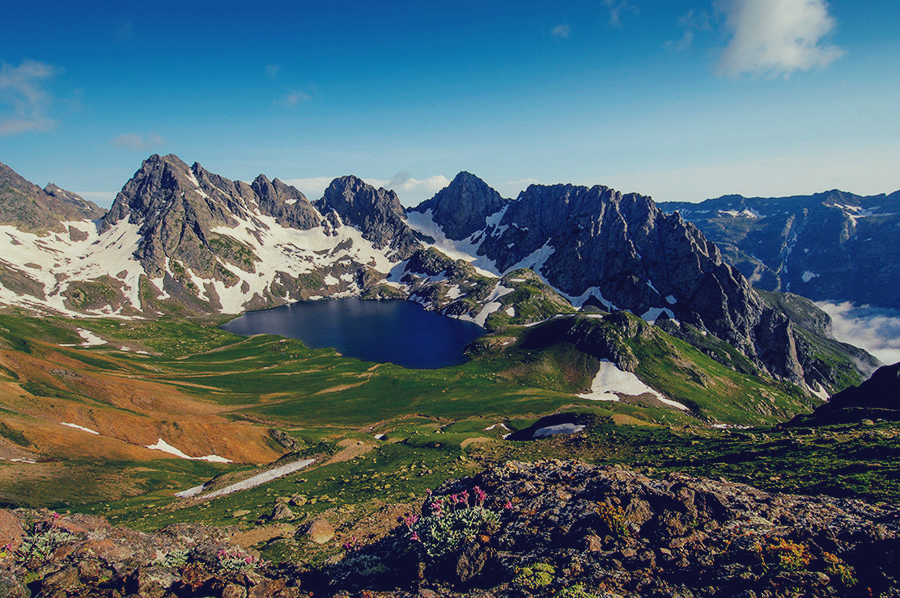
{"type": "Point", "coordinates": [831, 246]}
{"type": "Point", "coordinates": [180, 240]}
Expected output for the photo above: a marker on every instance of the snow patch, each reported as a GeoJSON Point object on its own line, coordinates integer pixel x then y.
{"type": "Point", "coordinates": [82, 428]}
{"type": "Point", "coordinates": [467, 249]}
{"type": "Point", "coordinates": [90, 340]}
{"type": "Point", "coordinates": [262, 478]}
{"type": "Point", "coordinates": [55, 261]}
{"type": "Point", "coordinates": [610, 382]}
{"type": "Point", "coordinates": [652, 314]}
{"type": "Point", "coordinates": [579, 300]}
{"type": "Point", "coordinates": [491, 427]}
{"type": "Point", "coordinates": [491, 305]}
{"type": "Point", "coordinates": [807, 276]}
{"type": "Point", "coordinates": [162, 445]}
{"type": "Point", "coordinates": [536, 259]}
{"type": "Point", "coordinates": [819, 391]}
{"type": "Point", "coordinates": [191, 491]}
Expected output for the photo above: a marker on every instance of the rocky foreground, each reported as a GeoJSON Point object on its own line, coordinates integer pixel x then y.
{"type": "Point", "coordinates": [561, 528]}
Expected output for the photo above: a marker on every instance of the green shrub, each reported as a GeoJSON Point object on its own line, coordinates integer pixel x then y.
{"type": "Point", "coordinates": [450, 522]}
{"type": "Point", "coordinates": [534, 576]}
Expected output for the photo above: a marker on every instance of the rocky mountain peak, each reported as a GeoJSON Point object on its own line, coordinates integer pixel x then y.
{"type": "Point", "coordinates": [176, 207]}
{"type": "Point", "coordinates": [621, 251]}
{"type": "Point", "coordinates": [377, 213]}
{"type": "Point", "coordinates": [30, 208]}
{"type": "Point", "coordinates": [285, 203]}
{"type": "Point", "coordinates": [462, 207]}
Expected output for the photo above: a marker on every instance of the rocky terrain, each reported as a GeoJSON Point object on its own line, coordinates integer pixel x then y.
{"type": "Point", "coordinates": [560, 528]}
{"type": "Point", "coordinates": [832, 246]}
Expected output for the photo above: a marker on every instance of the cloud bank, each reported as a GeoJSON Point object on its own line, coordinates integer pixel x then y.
{"type": "Point", "coordinates": [24, 101]}
{"type": "Point", "coordinates": [776, 37]}
{"type": "Point", "coordinates": [874, 329]}
{"type": "Point", "coordinates": [412, 191]}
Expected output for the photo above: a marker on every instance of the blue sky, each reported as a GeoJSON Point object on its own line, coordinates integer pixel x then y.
{"type": "Point", "coordinates": [678, 99]}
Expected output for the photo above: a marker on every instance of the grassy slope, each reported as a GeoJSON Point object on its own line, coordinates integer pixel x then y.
{"type": "Point", "coordinates": [435, 422]}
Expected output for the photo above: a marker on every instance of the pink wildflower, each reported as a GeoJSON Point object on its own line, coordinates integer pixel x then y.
{"type": "Point", "coordinates": [480, 495]}
{"type": "Point", "coordinates": [508, 504]}
{"type": "Point", "coordinates": [414, 537]}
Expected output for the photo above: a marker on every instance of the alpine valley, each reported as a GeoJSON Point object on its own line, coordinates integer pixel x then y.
{"type": "Point", "coordinates": [626, 362]}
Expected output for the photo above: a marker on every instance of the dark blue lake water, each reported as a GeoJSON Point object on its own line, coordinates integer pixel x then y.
{"type": "Point", "coordinates": [386, 331]}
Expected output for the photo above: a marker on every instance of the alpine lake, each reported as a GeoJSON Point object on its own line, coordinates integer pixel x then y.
{"type": "Point", "coordinates": [383, 331]}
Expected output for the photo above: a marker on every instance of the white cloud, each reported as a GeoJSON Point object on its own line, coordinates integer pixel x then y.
{"type": "Point", "coordinates": [412, 191]}
{"type": "Point", "coordinates": [873, 329]}
{"type": "Point", "coordinates": [137, 143]}
{"type": "Point", "coordinates": [294, 98]}
{"type": "Point", "coordinates": [681, 44]}
{"type": "Point", "coordinates": [313, 188]}
{"type": "Point", "coordinates": [24, 102]}
{"type": "Point", "coordinates": [561, 30]}
{"type": "Point", "coordinates": [691, 22]}
{"type": "Point", "coordinates": [776, 36]}
{"type": "Point", "coordinates": [616, 8]}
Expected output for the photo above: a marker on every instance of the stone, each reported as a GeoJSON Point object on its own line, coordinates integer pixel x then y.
{"type": "Point", "coordinates": [11, 531]}
{"type": "Point", "coordinates": [281, 512]}
{"type": "Point", "coordinates": [320, 531]}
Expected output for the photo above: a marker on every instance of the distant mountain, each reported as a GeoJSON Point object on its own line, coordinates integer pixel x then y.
{"type": "Point", "coordinates": [181, 240]}
{"type": "Point", "coordinates": [31, 208]}
{"type": "Point", "coordinates": [831, 246]}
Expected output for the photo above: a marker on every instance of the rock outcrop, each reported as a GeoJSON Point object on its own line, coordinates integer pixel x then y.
{"type": "Point", "coordinates": [876, 398]}
{"type": "Point", "coordinates": [463, 207]}
{"type": "Point", "coordinates": [377, 214]}
{"type": "Point", "coordinates": [286, 204]}
{"type": "Point", "coordinates": [619, 251]}
{"type": "Point", "coordinates": [549, 528]}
